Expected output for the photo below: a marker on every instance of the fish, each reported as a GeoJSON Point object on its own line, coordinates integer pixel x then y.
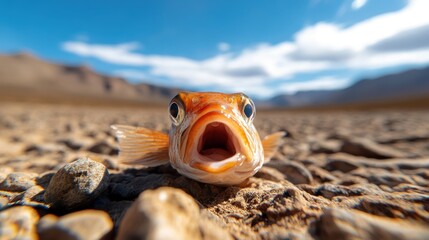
{"type": "Point", "coordinates": [212, 139]}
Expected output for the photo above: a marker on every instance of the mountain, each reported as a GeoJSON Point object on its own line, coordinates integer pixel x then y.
{"type": "Point", "coordinates": [404, 86]}
{"type": "Point", "coordinates": [25, 77]}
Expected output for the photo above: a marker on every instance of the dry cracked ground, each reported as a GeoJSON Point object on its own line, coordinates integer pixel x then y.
{"type": "Point", "coordinates": [339, 175]}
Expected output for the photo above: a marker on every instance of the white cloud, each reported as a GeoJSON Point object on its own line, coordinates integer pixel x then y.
{"type": "Point", "coordinates": [319, 47]}
{"type": "Point", "coordinates": [223, 47]}
{"type": "Point", "coordinates": [357, 4]}
{"type": "Point", "coordinates": [323, 83]}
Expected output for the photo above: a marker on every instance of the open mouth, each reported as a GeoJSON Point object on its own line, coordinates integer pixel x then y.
{"type": "Point", "coordinates": [217, 142]}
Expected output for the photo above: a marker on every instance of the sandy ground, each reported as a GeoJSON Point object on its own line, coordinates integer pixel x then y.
{"type": "Point", "coordinates": [338, 174]}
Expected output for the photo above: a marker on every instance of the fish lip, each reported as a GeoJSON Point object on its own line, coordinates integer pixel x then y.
{"type": "Point", "coordinates": [197, 160]}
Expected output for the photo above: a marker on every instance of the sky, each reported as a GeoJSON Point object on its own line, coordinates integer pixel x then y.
{"type": "Point", "coordinates": [262, 48]}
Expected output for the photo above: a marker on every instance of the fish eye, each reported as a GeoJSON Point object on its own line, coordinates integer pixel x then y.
{"type": "Point", "coordinates": [248, 110]}
{"type": "Point", "coordinates": [174, 110]}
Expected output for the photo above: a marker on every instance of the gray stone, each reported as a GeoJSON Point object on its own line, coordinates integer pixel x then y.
{"type": "Point", "coordinates": [294, 172]}
{"type": "Point", "coordinates": [18, 223]}
{"type": "Point", "coordinates": [165, 213]}
{"type": "Point", "coordinates": [73, 144]}
{"type": "Point", "coordinates": [41, 149]}
{"type": "Point", "coordinates": [17, 182]}
{"type": "Point", "coordinates": [103, 147]}
{"type": "Point", "coordinates": [340, 165]}
{"type": "Point", "coordinates": [81, 225]}
{"type": "Point", "coordinates": [271, 174]}
{"type": "Point", "coordinates": [325, 146]}
{"type": "Point", "coordinates": [370, 149]}
{"type": "Point", "coordinates": [77, 184]}
{"type": "Point", "coordinates": [353, 224]}
{"type": "Point", "coordinates": [35, 193]}
{"type": "Point", "coordinates": [389, 179]}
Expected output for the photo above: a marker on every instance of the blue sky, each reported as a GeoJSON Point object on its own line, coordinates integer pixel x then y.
{"type": "Point", "coordinates": [262, 48]}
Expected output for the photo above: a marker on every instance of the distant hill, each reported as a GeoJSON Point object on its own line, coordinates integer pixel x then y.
{"type": "Point", "coordinates": [404, 86]}
{"type": "Point", "coordinates": [24, 77]}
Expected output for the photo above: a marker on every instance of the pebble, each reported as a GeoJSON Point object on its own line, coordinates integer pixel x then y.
{"type": "Point", "coordinates": [389, 179]}
{"type": "Point", "coordinates": [294, 172]}
{"type": "Point", "coordinates": [77, 184]}
{"type": "Point", "coordinates": [340, 165]}
{"type": "Point", "coordinates": [71, 143]}
{"type": "Point", "coordinates": [41, 149]}
{"type": "Point", "coordinates": [18, 223]}
{"type": "Point", "coordinates": [352, 224]}
{"type": "Point", "coordinates": [321, 174]}
{"type": "Point", "coordinates": [370, 149]}
{"type": "Point", "coordinates": [17, 182]}
{"type": "Point", "coordinates": [325, 146]}
{"type": "Point", "coordinates": [271, 174]}
{"type": "Point", "coordinates": [3, 201]}
{"type": "Point", "coordinates": [81, 225]}
{"type": "Point", "coordinates": [330, 191]}
{"type": "Point", "coordinates": [103, 147]}
{"type": "Point", "coordinates": [35, 193]}
{"type": "Point", "coordinates": [164, 213]}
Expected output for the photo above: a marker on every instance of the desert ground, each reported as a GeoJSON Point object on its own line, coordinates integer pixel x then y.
{"type": "Point", "coordinates": [339, 175]}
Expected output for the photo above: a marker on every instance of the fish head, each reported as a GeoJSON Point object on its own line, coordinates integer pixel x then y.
{"type": "Point", "coordinates": [212, 137]}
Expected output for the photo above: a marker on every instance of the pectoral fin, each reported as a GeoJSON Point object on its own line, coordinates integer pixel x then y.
{"type": "Point", "coordinates": [141, 146]}
{"type": "Point", "coordinates": [271, 143]}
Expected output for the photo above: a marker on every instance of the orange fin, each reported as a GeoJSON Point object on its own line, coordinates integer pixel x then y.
{"type": "Point", "coordinates": [271, 143]}
{"type": "Point", "coordinates": [141, 146]}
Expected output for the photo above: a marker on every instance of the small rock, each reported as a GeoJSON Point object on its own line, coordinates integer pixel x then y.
{"type": "Point", "coordinates": [17, 182]}
{"type": "Point", "coordinates": [71, 143]}
{"type": "Point", "coordinates": [340, 165]}
{"type": "Point", "coordinates": [321, 174]}
{"type": "Point", "coordinates": [353, 224]}
{"type": "Point", "coordinates": [367, 148]}
{"type": "Point", "coordinates": [404, 138]}
{"type": "Point", "coordinates": [103, 147]}
{"type": "Point", "coordinates": [165, 213]}
{"type": "Point", "coordinates": [330, 191]}
{"type": "Point", "coordinates": [77, 184]}
{"type": "Point", "coordinates": [410, 210]}
{"type": "Point", "coordinates": [389, 179]}
{"type": "Point", "coordinates": [3, 201]}
{"type": "Point", "coordinates": [8, 195]}
{"type": "Point", "coordinates": [326, 146]}
{"type": "Point", "coordinates": [82, 225]}
{"type": "Point", "coordinates": [270, 174]}
{"type": "Point", "coordinates": [18, 223]}
{"type": "Point", "coordinates": [294, 172]}
{"type": "Point", "coordinates": [41, 149]}
{"type": "Point", "coordinates": [35, 193]}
